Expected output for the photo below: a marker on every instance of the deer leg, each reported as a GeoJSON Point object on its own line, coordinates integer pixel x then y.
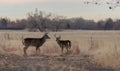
{"type": "Point", "coordinates": [62, 50]}
{"type": "Point", "coordinates": [37, 48]}
{"type": "Point", "coordinates": [67, 49]}
{"type": "Point", "coordinates": [24, 49]}
{"type": "Point", "coordinates": [39, 51]}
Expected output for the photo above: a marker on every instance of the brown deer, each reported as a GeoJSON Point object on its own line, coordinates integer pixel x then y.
{"type": "Point", "coordinates": [37, 42]}
{"type": "Point", "coordinates": [63, 43]}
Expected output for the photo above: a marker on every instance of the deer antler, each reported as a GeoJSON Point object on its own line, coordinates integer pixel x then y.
{"type": "Point", "coordinates": [56, 36]}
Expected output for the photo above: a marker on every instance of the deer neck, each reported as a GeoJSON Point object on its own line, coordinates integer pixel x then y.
{"type": "Point", "coordinates": [58, 41]}
{"type": "Point", "coordinates": [43, 39]}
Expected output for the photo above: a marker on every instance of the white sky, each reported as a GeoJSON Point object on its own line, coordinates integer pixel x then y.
{"type": "Point", "coordinates": [43, 1]}
{"type": "Point", "coordinates": [30, 1]}
{"type": "Point", "coordinates": [70, 8]}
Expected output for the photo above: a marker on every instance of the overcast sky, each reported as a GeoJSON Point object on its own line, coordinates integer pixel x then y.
{"type": "Point", "coordinates": [17, 9]}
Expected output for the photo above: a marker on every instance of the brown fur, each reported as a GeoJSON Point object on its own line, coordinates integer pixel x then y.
{"type": "Point", "coordinates": [63, 44]}
{"type": "Point", "coordinates": [37, 42]}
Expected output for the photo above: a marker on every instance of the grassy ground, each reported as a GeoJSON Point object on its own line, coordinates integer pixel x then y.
{"type": "Point", "coordinates": [101, 46]}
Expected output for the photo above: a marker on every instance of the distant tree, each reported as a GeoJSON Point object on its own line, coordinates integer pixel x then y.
{"type": "Point", "coordinates": [100, 25]}
{"type": "Point", "coordinates": [76, 23]}
{"type": "Point", "coordinates": [68, 26]}
{"type": "Point", "coordinates": [41, 21]}
{"type": "Point", "coordinates": [109, 24]}
{"type": "Point", "coordinates": [57, 23]}
{"type": "Point", "coordinates": [32, 25]}
{"type": "Point", "coordinates": [20, 24]}
{"type": "Point", "coordinates": [4, 22]}
{"type": "Point", "coordinates": [37, 20]}
{"type": "Point", "coordinates": [117, 25]}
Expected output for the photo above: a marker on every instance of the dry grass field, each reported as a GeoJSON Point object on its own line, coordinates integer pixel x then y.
{"type": "Point", "coordinates": [101, 46]}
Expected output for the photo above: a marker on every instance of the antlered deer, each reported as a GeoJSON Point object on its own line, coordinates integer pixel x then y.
{"type": "Point", "coordinates": [37, 42]}
{"type": "Point", "coordinates": [63, 43]}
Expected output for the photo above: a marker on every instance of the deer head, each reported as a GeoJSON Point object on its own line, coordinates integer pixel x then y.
{"type": "Point", "coordinates": [46, 36]}
{"type": "Point", "coordinates": [57, 38]}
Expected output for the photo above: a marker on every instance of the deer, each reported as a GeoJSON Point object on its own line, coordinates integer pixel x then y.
{"type": "Point", "coordinates": [36, 42]}
{"type": "Point", "coordinates": [63, 43]}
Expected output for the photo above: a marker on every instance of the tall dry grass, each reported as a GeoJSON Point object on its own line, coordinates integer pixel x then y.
{"type": "Point", "coordinates": [102, 46]}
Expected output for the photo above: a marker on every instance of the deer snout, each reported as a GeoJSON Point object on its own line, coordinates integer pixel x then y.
{"type": "Point", "coordinates": [48, 37]}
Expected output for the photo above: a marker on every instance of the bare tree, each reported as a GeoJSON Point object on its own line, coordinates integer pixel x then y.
{"type": "Point", "coordinates": [4, 23]}
{"type": "Point", "coordinates": [38, 20]}
{"type": "Point", "coordinates": [109, 24]}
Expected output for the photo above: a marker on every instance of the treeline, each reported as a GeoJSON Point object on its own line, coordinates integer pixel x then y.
{"type": "Point", "coordinates": [41, 21]}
